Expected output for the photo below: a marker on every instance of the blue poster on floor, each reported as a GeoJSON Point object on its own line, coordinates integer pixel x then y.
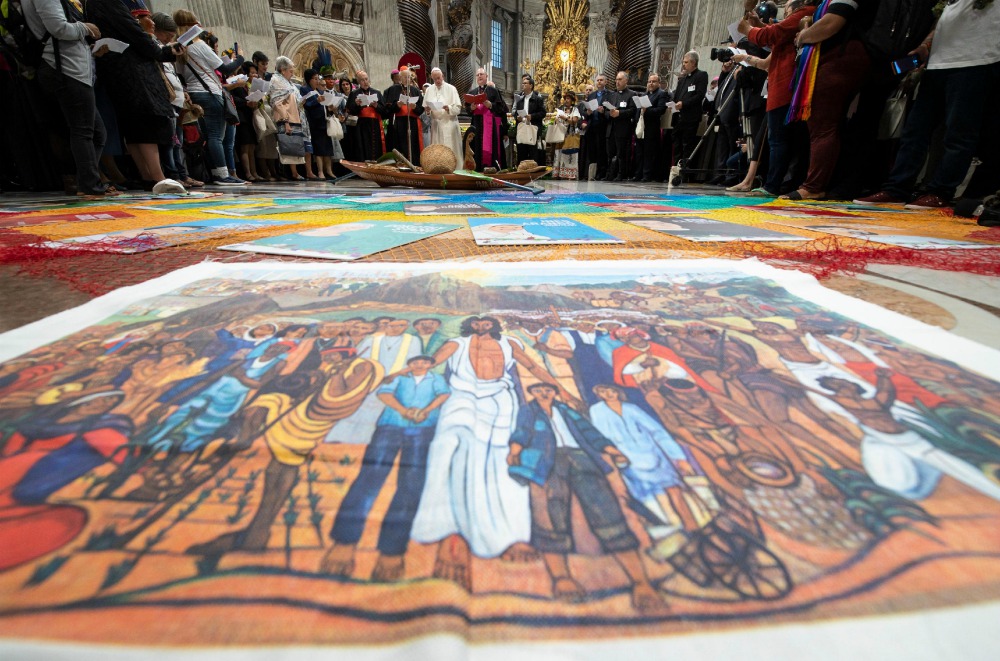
{"type": "Point", "coordinates": [346, 241]}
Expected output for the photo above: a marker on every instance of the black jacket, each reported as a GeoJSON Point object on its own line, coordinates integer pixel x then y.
{"type": "Point", "coordinates": [690, 92]}
{"type": "Point", "coordinates": [622, 125]}
{"type": "Point", "coordinates": [597, 122]}
{"type": "Point", "coordinates": [654, 113]}
{"type": "Point", "coordinates": [536, 108]}
{"type": "Point", "coordinates": [134, 79]}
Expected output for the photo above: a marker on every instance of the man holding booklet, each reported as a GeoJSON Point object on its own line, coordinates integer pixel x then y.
{"type": "Point", "coordinates": [489, 122]}
{"type": "Point", "coordinates": [652, 106]}
{"type": "Point", "coordinates": [366, 104]}
{"type": "Point", "coordinates": [442, 102]}
{"type": "Point", "coordinates": [404, 102]}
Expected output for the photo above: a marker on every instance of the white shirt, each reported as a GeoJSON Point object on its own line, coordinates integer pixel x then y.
{"type": "Point", "coordinates": [966, 37]}
{"type": "Point", "coordinates": [200, 66]}
{"type": "Point", "coordinates": [564, 437]}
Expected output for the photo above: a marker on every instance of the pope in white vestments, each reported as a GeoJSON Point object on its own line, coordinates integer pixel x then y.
{"type": "Point", "coordinates": [444, 128]}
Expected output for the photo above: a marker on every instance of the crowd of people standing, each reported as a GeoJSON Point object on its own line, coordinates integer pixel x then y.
{"type": "Point", "coordinates": [189, 113]}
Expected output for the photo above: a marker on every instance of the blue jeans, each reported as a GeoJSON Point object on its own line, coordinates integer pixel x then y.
{"type": "Point", "coordinates": [172, 157]}
{"type": "Point", "coordinates": [778, 139]}
{"type": "Point", "coordinates": [215, 127]}
{"type": "Point", "coordinates": [228, 145]}
{"type": "Point", "coordinates": [412, 445]}
{"type": "Point", "coordinates": [955, 97]}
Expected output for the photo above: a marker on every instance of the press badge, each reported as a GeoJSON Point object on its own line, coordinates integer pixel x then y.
{"type": "Point", "coordinates": [622, 104]}
{"type": "Point", "coordinates": [690, 88]}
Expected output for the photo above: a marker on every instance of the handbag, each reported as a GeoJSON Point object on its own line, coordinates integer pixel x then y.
{"type": "Point", "coordinates": [527, 134]}
{"type": "Point", "coordinates": [890, 125]}
{"type": "Point", "coordinates": [334, 128]}
{"type": "Point", "coordinates": [640, 129]}
{"type": "Point", "coordinates": [292, 145]}
{"type": "Point", "coordinates": [556, 133]}
{"type": "Point", "coordinates": [263, 125]}
{"type": "Point", "coordinates": [229, 108]}
{"type": "Point", "coordinates": [572, 141]}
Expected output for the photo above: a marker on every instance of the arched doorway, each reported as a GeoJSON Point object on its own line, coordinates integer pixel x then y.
{"type": "Point", "coordinates": [302, 48]}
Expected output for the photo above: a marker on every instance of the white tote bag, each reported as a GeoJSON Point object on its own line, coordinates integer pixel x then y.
{"type": "Point", "coordinates": [333, 128]}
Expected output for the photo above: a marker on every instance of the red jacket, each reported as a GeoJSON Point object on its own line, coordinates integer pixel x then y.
{"type": "Point", "coordinates": [780, 38]}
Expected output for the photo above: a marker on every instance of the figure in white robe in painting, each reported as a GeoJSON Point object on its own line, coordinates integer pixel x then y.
{"type": "Point", "coordinates": [468, 489]}
{"type": "Point", "coordinates": [444, 128]}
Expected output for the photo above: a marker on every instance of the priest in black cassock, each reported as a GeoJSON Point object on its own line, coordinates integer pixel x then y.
{"type": "Point", "coordinates": [406, 128]}
{"type": "Point", "coordinates": [489, 124]}
{"type": "Point", "coordinates": [370, 136]}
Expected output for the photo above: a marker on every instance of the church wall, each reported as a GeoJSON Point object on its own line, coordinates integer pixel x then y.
{"type": "Point", "coordinates": [245, 21]}
{"type": "Point", "coordinates": [703, 27]}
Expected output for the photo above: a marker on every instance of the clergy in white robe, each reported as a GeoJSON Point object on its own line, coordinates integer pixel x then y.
{"type": "Point", "coordinates": [444, 104]}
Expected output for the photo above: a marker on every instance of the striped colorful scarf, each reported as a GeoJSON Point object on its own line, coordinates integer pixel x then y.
{"type": "Point", "coordinates": [805, 75]}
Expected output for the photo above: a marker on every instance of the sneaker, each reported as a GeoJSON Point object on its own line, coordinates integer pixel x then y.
{"type": "Point", "coordinates": [927, 202]}
{"type": "Point", "coordinates": [881, 197]}
{"type": "Point", "coordinates": [229, 181]}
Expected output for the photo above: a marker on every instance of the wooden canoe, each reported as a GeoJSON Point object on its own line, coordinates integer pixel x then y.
{"type": "Point", "coordinates": [390, 177]}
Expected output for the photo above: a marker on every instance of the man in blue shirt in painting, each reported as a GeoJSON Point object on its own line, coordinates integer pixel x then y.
{"type": "Point", "coordinates": [405, 429]}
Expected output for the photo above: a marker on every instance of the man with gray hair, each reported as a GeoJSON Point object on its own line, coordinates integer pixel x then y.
{"type": "Point", "coordinates": [443, 104]}
{"type": "Point", "coordinates": [688, 95]}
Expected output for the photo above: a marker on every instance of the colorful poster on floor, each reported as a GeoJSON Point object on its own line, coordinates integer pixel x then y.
{"type": "Point", "coordinates": [893, 236]}
{"type": "Point", "coordinates": [696, 228]}
{"type": "Point", "coordinates": [800, 211]}
{"type": "Point", "coordinates": [143, 239]}
{"type": "Point", "coordinates": [445, 209]}
{"type": "Point", "coordinates": [535, 231]}
{"type": "Point", "coordinates": [273, 209]}
{"type": "Point", "coordinates": [346, 241]}
{"type": "Point", "coordinates": [637, 208]}
{"type": "Point", "coordinates": [397, 460]}
{"type": "Point", "coordinates": [19, 221]}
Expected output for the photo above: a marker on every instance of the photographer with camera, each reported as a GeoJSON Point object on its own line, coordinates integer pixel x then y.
{"type": "Point", "coordinates": [780, 38]}
{"type": "Point", "coordinates": [688, 97]}
{"type": "Point", "coordinates": [727, 110]}
{"type": "Point", "coordinates": [962, 56]}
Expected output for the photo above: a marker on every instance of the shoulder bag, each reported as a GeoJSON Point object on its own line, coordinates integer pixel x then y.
{"type": "Point", "coordinates": [333, 128]}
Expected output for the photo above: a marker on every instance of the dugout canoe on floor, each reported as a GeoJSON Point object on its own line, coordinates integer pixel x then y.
{"type": "Point", "coordinates": [391, 176]}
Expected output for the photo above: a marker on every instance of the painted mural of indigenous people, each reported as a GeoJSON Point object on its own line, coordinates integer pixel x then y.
{"type": "Point", "coordinates": [404, 430]}
{"type": "Point", "coordinates": [292, 427]}
{"type": "Point", "coordinates": [559, 454]}
{"type": "Point", "coordinates": [204, 414]}
{"type": "Point", "coordinates": [469, 497]}
{"type": "Point", "coordinates": [657, 463]}
{"type": "Point", "coordinates": [44, 455]}
{"type": "Point", "coordinates": [894, 455]}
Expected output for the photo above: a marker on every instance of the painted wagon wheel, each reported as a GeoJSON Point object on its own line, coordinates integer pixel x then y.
{"type": "Point", "coordinates": [744, 565]}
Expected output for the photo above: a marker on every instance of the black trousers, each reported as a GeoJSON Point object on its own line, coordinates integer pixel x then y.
{"type": "Point", "coordinates": [597, 150]}
{"type": "Point", "coordinates": [685, 138]}
{"type": "Point", "coordinates": [619, 156]}
{"type": "Point", "coordinates": [86, 130]}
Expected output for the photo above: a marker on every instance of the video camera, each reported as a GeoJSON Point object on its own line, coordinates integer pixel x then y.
{"type": "Point", "coordinates": [744, 46]}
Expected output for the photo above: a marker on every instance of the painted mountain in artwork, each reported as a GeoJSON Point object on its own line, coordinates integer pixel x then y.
{"type": "Point", "coordinates": [444, 292]}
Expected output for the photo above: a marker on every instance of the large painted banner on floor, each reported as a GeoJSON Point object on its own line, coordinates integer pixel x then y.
{"type": "Point", "coordinates": [315, 454]}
